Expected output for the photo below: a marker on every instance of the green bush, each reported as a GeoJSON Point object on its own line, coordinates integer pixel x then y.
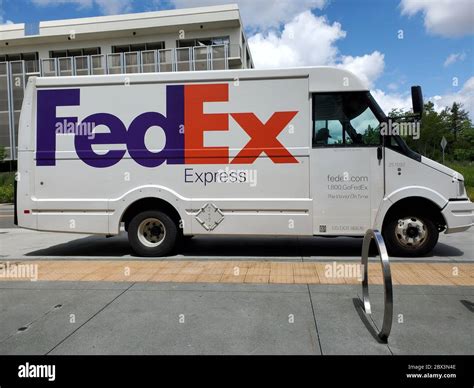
{"type": "Point", "coordinates": [6, 194]}
{"type": "Point", "coordinates": [467, 170]}
{"type": "Point", "coordinates": [463, 154]}
{"type": "Point", "coordinates": [7, 180]}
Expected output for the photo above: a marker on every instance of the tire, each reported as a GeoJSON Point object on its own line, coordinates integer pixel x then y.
{"type": "Point", "coordinates": [152, 233]}
{"type": "Point", "coordinates": [410, 235]}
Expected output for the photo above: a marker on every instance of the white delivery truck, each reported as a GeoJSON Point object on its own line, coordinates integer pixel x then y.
{"type": "Point", "coordinates": [247, 152]}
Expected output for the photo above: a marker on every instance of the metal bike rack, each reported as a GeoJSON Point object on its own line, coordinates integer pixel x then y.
{"type": "Point", "coordinates": [375, 235]}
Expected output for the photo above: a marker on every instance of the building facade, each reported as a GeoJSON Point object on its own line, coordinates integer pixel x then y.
{"type": "Point", "coordinates": [195, 39]}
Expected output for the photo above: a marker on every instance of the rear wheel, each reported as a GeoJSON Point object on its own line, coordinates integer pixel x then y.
{"type": "Point", "coordinates": [410, 235]}
{"type": "Point", "coordinates": [152, 233]}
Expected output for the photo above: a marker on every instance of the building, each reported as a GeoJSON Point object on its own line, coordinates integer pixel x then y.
{"type": "Point", "coordinates": [205, 38]}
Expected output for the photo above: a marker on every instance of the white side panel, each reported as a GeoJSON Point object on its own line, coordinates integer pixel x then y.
{"type": "Point", "coordinates": [403, 172]}
{"type": "Point", "coordinates": [408, 178]}
{"type": "Point", "coordinates": [26, 160]}
{"type": "Point", "coordinates": [73, 196]}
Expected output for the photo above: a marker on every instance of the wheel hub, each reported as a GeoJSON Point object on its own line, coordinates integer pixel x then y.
{"type": "Point", "coordinates": [411, 232]}
{"type": "Point", "coordinates": [151, 232]}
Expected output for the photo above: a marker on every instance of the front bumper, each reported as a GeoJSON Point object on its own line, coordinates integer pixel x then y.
{"type": "Point", "coordinates": [459, 216]}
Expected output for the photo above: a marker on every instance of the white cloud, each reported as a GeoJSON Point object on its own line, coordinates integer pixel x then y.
{"type": "Point", "coordinates": [450, 18]}
{"type": "Point", "coordinates": [107, 7]}
{"type": "Point", "coordinates": [306, 40]}
{"type": "Point", "coordinates": [464, 96]}
{"type": "Point", "coordinates": [3, 21]}
{"type": "Point", "coordinates": [309, 40]}
{"type": "Point", "coordinates": [368, 67]}
{"type": "Point", "coordinates": [453, 58]}
{"type": "Point", "coordinates": [392, 86]}
{"type": "Point", "coordinates": [113, 7]}
{"type": "Point", "coordinates": [260, 14]}
{"type": "Point", "coordinates": [79, 3]}
{"type": "Point", "coordinates": [2, 15]}
{"type": "Point", "coordinates": [389, 101]}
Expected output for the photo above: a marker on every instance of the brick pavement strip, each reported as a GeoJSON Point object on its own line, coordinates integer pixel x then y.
{"type": "Point", "coordinates": [257, 272]}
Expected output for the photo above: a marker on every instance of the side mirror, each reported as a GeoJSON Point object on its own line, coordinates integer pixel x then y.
{"type": "Point", "coordinates": [417, 101]}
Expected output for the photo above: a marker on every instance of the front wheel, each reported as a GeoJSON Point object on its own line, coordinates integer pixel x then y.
{"type": "Point", "coordinates": [410, 235]}
{"type": "Point", "coordinates": [152, 233]}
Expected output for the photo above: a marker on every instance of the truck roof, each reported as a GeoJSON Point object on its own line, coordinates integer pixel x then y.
{"type": "Point", "coordinates": [321, 79]}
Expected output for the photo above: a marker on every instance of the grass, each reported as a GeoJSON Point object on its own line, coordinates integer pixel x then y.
{"type": "Point", "coordinates": [6, 187]}
{"type": "Point", "coordinates": [467, 170]}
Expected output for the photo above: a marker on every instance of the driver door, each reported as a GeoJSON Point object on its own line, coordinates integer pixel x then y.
{"type": "Point", "coordinates": [346, 167]}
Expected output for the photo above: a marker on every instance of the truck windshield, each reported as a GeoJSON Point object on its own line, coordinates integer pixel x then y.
{"type": "Point", "coordinates": [394, 142]}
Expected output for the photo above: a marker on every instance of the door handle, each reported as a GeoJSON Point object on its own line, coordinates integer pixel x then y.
{"type": "Point", "coordinates": [379, 153]}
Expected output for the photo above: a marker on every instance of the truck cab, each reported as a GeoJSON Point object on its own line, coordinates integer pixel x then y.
{"type": "Point", "coordinates": [373, 179]}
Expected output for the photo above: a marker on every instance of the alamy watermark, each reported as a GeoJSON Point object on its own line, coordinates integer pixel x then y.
{"type": "Point", "coordinates": [335, 270]}
{"type": "Point", "coordinates": [32, 371]}
{"type": "Point", "coordinates": [391, 128]}
{"type": "Point", "coordinates": [18, 271]}
{"type": "Point", "coordinates": [81, 129]}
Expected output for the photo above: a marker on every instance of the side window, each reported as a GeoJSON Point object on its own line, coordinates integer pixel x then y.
{"type": "Point", "coordinates": [327, 123]}
{"type": "Point", "coordinates": [344, 119]}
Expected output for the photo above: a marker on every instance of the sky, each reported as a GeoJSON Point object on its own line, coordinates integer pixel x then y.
{"type": "Point", "coordinates": [389, 44]}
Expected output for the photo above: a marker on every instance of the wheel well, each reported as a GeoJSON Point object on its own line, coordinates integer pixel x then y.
{"type": "Point", "coordinates": [419, 205]}
{"type": "Point", "coordinates": [150, 204]}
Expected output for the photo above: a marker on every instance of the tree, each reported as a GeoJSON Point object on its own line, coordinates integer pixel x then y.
{"type": "Point", "coordinates": [3, 153]}
{"type": "Point", "coordinates": [371, 136]}
{"type": "Point", "coordinates": [452, 123]}
{"type": "Point", "coordinates": [457, 119]}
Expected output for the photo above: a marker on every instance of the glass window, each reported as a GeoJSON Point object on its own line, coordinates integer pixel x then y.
{"type": "Point", "coordinates": [344, 119]}
{"type": "Point", "coordinates": [120, 49]}
{"type": "Point", "coordinates": [91, 51]}
{"type": "Point", "coordinates": [138, 47]}
{"type": "Point", "coordinates": [18, 57]}
{"type": "Point", "coordinates": [155, 46]}
{"type": "Point", "coordinates": [29, 56]}
{"type": "Point", "coordinates": [186, 43]}
{"type": "Point", "coordinates": [58, 54]}
{"type": "Point", "coordinates": [74, 52]}
{"type": "Point", "coordinates": [222, 40]}
{"type": "Point", "coordinates": [203, 42]}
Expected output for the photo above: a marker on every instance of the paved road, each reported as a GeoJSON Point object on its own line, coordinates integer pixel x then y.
{"type": "Point", "coordinates": [25, 244]}
{"type": "Point", "coordinates": [18, 243]}
{"type": "Point", "coordinates": [6, 216]}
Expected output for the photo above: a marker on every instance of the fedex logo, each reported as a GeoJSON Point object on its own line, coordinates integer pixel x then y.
{"type": "Point", "coordinates": [184, 110]}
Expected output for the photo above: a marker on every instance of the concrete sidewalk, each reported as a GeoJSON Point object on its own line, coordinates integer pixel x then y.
{"type": "Point", "coordinates": [180, 318]}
